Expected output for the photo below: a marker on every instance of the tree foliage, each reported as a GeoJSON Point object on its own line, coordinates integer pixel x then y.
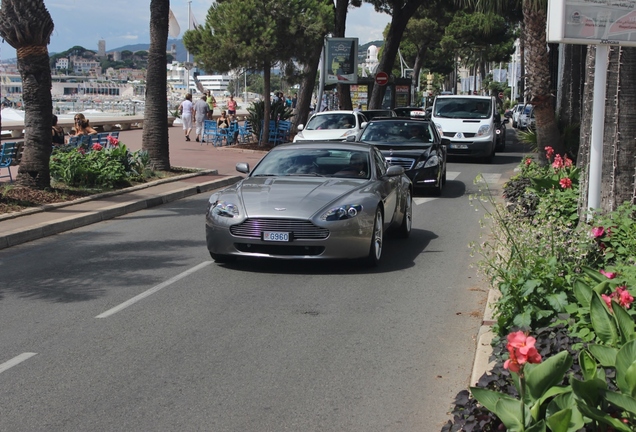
{"type": "Point", "coordinates": [258, 34]}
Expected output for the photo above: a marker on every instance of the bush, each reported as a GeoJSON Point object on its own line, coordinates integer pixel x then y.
{"type": "Point", "coordinates": [257, 112]}
{"type": "Point", "coordinates": [98, 167]}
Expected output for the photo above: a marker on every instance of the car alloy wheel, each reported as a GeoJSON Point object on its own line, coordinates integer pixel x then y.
{"type": "Point", "coordinates": [407, 221]}
{"type": "Point", "coordinates": [375, 252]}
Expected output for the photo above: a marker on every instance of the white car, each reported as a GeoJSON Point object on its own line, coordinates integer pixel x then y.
{"type": "Point", "coordinates": [516, 111]}
{"type": "Point", "coordinates": [526, 118]}
{"type": "Point", "coordinates": [331, 126]}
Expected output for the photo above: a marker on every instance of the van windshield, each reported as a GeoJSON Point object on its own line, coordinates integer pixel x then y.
{"type": "Point", "coordinates": [464, 108]}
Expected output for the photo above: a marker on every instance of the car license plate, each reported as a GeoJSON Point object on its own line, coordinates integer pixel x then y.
{"type": "Point", "coordinates": [459, 146]}
{"type": "Point", "coordinates": [276, 236]}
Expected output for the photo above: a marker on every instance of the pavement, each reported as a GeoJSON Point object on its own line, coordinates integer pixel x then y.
{"type": "Point", "coordinates": [217, 165]}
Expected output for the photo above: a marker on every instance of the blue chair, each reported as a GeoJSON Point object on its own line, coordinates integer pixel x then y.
{"type": "Point", "coordinates": [8, 152]}
{"type": "Point", "coordinates": [115, 134]}
{"type": "Point", "coordinates": [211, 133]}
{"type": "Point", "coordinates": [230, 134]}
{"type": "Point", "coordinates": [102, 138]}
{"type": "Point", "coordinates": [284, 131]}
{"type": "Point", "coordinates": [272, 132]}
{"type": "Point", "coordinates": [245, 131]}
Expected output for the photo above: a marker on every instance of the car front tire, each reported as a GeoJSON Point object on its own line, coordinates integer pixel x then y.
{"type": "Point", "coordinates": [407, 221]}
{"type": "Point", "coordinates": [377, 238]}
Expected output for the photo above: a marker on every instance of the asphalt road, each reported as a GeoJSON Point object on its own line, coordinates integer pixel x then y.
{"type": "Point", "coordinates": [127, 325]}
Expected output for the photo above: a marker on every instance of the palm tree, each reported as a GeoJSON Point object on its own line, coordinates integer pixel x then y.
{"type": "Point", "coordinates": [155, 134]}
{"type": "Point", "coordinates": [537, 67]}
{"type": "Point", "coordinates": [26, 25]}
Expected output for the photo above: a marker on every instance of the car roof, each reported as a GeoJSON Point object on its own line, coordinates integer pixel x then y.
{"type": "Point", "coordinates": [464, 96]}
{"type": "Point", "coordinates": [335, 112]}
{"type": "Point", "coordinates": [317, 145]}
{"type": "Point", "coordinates": [401, 118]}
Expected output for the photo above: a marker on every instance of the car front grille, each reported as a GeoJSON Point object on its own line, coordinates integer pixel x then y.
{"type": "Point", "coordinates": [300, 229]}
{"type": "Point", "coordinates": [466, 134]}
{"type": "Point", "coordinates": [405, 163]}
{"type": "Point", "coordinates": [280, 250]}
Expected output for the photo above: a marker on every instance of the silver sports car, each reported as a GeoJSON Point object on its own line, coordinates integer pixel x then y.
{"type": "Point", "coordinates": [311, 201]}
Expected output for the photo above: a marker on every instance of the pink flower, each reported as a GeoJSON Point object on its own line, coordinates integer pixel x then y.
{"type": "Point", "coordinates": [568, 162]}
{"type": "Point", "coordinates": [549, 151]}
{"type": "Point", "coordinates": [528, 161]}
{"type": "Point", "coordinates": [609, 275]}
{"type": "Point", "coordinates": [521, 349]}
{"type": "Point", "coordinates": [608, 301]}
{"type": "Point", "coordinates": [558, 162]}
{"type": "Point", "coordinates": [97, 147]}
{"type": "Point", "coordinates": [598, 232]}
{"type": "Point", "coordinates": [625, 299]}
{"type": "Point", "coordinates": [565, 183]}
{"type": "Point", "coordinates": [113, 141]}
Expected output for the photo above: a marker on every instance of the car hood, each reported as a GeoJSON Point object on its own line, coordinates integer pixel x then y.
{"type": "Point", "coordinates": [325, 134]}
{"type": "Point", "coordinates": [461, 125]}
{"type": "Point", "coordinates": [403, 148]}
{"type": "Point", "coordinates": [300, 197]}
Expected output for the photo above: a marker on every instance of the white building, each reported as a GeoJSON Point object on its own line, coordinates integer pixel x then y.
{"type": "Point", "coordinates": [216, 83]}
{"type": "Point", "coordinates": [179, 79]}
{"type": "Point", "coordinates": [61, 63]}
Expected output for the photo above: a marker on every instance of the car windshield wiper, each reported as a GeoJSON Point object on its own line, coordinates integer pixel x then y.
{"type": "Point", "coordinates": [304, 175]}
{"type": "Point", "coordinates": [265, 175]}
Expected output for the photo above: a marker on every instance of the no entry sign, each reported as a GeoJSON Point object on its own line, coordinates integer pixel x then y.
{"type": "Point", "coordinates": [381, 78]}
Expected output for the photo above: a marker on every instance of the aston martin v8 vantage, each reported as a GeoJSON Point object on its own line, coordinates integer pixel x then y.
{"type": "Point", "coordinates": [311, 201]}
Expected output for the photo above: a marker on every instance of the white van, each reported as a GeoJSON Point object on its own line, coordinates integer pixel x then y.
{"type": "Point", "coordinates": [470, 122]}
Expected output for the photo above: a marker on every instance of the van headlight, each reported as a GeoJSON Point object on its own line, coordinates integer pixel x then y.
{"type": "Point", "coordinates": [439, 129]}
{"type": "Point", "coordinates": [483, 130]}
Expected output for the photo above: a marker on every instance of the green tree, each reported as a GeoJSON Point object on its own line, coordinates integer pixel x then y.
{"type": "Point", "coordinates": [401, 12]}
{"type": "Point", "coordinates": [258, 33]}
{"type": "Point", "coordinates": [155, 133]}
{"type": "Point", "coordinates": [26, 25]}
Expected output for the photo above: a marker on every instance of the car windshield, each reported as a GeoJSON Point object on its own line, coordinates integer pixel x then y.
{"type": "Point", "coordinates": [399, 131]}
{"type": "Point", "coordinates": [464, 108]}
{"type": "Point", "coordinates": [331, 121]}
{"type": "Point", "coordinates": [527, 109]}
{"type": "Point", "coordinates": [378, 113]}
{"type": "Point", "coordinates": [314, 162]}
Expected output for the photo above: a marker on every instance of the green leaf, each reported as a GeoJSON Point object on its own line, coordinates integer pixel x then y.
{"type": "Point", "coordinates": [489, 398]}
{"type": "Point", "coordinates": [600, 416]}
{"type": "Point", "coordinates": [523, 320]}
{"type": "Point", "coordinates": [583, 293]}
{"type": "Point", "coordinates": [594, 274]}
{"type": "Point", "coordinates": [562, 402]}
{"type": "Point", "coordinates": [510, 412]}
{"type": "Point", "coordinates": [602, 288]}
{"type": "Point", "coordinates": [602, 321]}
{"type": "Point", "coordinates": [625, 323]}
{"type": "Point", "coordinates": [630, 379]}
{"type": "Point", "coordinates": [539, 427]}
{"type": "Point", "coordinates": [558, 301]}
{"type": "Point", "coordinates": [588, 391]}
{"type": "Point", "coordinates": [536, 409]}
{"type": "Point", "coordinates": [560, 421]}
{"type": "Point", "coordinates": [605, 355]}
{"type": "Point", "coordinates": [588, 365]}
{"type": "Point", "coordinates": [621, 400]}
{"type": "Point", "coordinates": [529, 287]}
{"type": "Point", "coordinates": [549, 373]}
{"type": "Point", "coordinates": [624, 359]}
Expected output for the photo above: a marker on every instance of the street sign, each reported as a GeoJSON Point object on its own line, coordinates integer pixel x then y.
{"type": "Point", "coordinates": [382, 78]}
{"type": "Point", "coordinates": [501, 95]}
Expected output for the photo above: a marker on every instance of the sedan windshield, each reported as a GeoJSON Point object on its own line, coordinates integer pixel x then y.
{"type": "Point", "coordinates": [331, 121]}
{"type": "Point", "coordinates": [398, 131]}
{"type": "Point", "coordinates": [464, 108]}
{"type": "Point", "coordinates": [314, 162]}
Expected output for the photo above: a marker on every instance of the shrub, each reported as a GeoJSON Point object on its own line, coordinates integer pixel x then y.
{"type": "Point", "coordinates": [257, 112]}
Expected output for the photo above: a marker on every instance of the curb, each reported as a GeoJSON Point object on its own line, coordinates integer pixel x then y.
{"type": "Point", "coordinates": [482, 363]}
{"type": "Point", "coordinates": [50, 228]}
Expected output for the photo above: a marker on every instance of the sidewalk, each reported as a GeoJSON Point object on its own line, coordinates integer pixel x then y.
{"type": "Point", "coordinates": [218, 170]}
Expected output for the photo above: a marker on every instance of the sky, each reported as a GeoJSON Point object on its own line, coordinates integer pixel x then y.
{"type": "Point", "coordinates": [126, 22]}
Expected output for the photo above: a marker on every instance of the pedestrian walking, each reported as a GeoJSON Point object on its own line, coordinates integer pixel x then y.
{"type": "Point", "coordinates": [211, 100]}
{"type": "Point", "coordinates": [186, 108]}
{"type": "Point", "coordinates": [201, 109]}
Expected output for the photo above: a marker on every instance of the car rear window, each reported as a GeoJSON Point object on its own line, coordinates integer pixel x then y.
{"type": "Point", "coordinates": [399, 131]}
{"type": "Point", "coordinates": [331, 121]}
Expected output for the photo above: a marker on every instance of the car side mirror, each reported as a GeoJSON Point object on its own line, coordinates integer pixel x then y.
{"type": "Point", "coordinates": [351, 138]}
{"type": "Point", "coordinates": [394, 170]}
{"type": "Point", "coordinates": [300, 127]}
{"type": "Point", "coordinates": [243, 167]}
{"type": "Point", "coordinates": [363, 125]}
{"type": "Point", "coordinates": [506, 120]}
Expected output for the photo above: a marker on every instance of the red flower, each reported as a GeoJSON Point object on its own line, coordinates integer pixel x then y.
{"type": "Point", "coordinates": [625, 299]}
{"type": "Point", "coordinates": [549, 152]}
{"type": "Point", "coordinates": [113, 141]}
{"type": "Point", "coordinates": [528, 161]}
{"type": "Point", "coordinates": [598, 232]}
{"type": "Point", "coordinates": [565, 183]}
{"type": "Point", "coordinates": [558, 162]}
{"type": "Point", "coordinates": [609, 275]}
{"type": "Point", "coordinates": [97, 147]}
{"type": "Point", "coordinates": [568, 162]}
{"type": "Point", "coordinates": [521, 349]}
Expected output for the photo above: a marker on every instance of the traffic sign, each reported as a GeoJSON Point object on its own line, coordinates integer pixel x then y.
{"type": "Point", "coordinates": [381, 78]}
{"type": "Point", "coordinates": [501, 95]}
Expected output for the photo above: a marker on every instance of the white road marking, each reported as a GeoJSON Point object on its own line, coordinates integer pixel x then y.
{"type": "Point", "coordinates": [152, 290]}
{"type": "Point", "coordinates": [15, 361]}
{"type": "Point", "coordinates": [450, 175]}
{"type": "Point", "coordinates": [489, 178]}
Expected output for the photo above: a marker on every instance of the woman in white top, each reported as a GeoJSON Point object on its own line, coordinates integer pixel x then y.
{"type": "Point", "coordinates": [186, 109]}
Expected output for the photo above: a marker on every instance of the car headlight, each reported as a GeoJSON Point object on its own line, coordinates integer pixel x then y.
{"type": "Point", "coordinates": [430, 162]}
{"type": "Point", "coordinates": [439, 129]}
{"type": "Point", "coordinates": [349, 132]}
{"type": "Point", "coordinates": [224, 209]}
{"type": "Point", "coordinates": [483, 130]}
{"type": "Point", "coordinates": [342, 212]}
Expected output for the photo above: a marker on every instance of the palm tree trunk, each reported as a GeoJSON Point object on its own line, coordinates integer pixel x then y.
{"type": "Point", "coordinates": [267, 103]}
{"type": "Point", "coordinates": [155, 134]}
{"type": "Point", "coordinates": [539, 82]}
{"type": "Point", "coordinates": [344, 90]}
{"type": "Point", "coordinates": [310, 71]}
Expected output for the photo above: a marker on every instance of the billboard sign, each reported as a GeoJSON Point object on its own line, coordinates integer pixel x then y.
{"type": "Point", "coordinates": [592, 22]}
{"type": "Point", "coordinates": [342, 60]}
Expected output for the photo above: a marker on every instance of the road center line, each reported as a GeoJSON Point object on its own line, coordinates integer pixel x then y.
{"type": "Point", "coordinates": [15, 361]}
{"type": "Point", "coordinates": [152, 290]}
